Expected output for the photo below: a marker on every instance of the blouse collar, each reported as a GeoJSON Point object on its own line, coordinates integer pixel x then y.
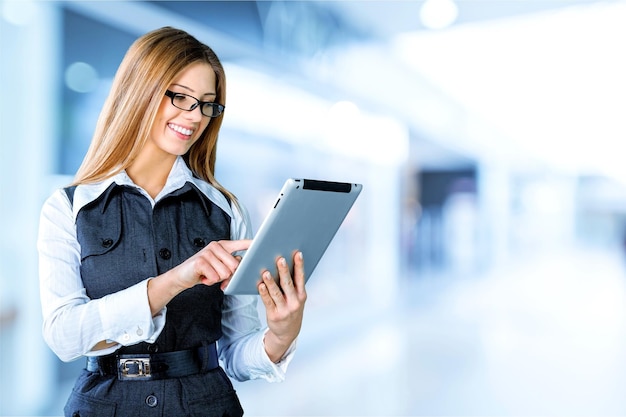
{"type": "Point", "coordinates": [179, 175]}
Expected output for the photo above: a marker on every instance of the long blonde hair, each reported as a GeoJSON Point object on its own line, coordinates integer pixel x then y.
{"type": "Point", "coordinates": [151, 64]}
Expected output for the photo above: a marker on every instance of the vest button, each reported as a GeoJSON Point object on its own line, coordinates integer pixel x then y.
{"type": "Point", "coordinates": [154, 348]}
{"type": "Point", "coordinates": [107, 243]}
{"type": "Point", "coordinates": [151, 401]}
{"type": "Point", "coordinates": [165, 253]}
{"type": "Point", "coordinates": [199, 242]}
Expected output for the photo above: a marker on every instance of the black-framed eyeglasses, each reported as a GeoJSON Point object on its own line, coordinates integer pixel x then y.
{"type": "Point", "coordinates": [189, 103]}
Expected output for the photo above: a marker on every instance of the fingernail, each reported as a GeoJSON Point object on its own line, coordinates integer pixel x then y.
{"type": "Point", "coordinates": [300, 256]}
{"type": "Point", "coordinates": [266, 275]}
{"type": "Point", "coordinates": [282, 262]}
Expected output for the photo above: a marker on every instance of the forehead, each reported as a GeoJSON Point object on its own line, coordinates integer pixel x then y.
{"type": "Point", "coordinates": [198, 77]}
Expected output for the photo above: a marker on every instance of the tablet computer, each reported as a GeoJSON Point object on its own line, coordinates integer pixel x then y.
{"type": "Point", "coordinates": [305, 217]}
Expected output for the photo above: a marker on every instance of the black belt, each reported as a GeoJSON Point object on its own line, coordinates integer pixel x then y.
{"type": "Point", "coordinates": [156, 365]}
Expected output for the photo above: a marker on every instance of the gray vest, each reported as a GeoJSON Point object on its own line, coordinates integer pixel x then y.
{"type": "Point", "coordinates": [124, 240]}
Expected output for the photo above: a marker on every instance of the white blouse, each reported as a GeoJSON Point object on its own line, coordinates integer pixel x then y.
{"type": "Point", "coordinates": [73, 323]}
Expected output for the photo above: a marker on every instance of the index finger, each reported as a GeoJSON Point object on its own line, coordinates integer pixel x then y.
{"type": "Point", "coordinates": [298, 271]}
{"type": "Point", "coordinates": [235, 245]}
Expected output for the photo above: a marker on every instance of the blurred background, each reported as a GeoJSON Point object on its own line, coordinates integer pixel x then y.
{"type": "Point", "coordinates": [481, 272]}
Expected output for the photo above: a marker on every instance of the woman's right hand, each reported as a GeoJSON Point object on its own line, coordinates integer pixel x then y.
{"type": "Point", "coordinates": [215, 263]}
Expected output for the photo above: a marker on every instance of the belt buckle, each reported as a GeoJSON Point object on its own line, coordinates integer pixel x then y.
{"type": "Point", "coordinates": [133, 367]}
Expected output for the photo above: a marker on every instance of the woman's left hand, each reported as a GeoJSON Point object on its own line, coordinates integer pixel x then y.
{"type": "Point", "coordinates": [284, 306]}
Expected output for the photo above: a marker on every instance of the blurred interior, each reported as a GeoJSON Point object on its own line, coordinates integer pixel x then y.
{"type": "Point", "coordinates": [481, 271]}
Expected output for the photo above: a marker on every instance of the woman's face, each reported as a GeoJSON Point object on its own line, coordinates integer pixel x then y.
{"type": "Point", "coordinates": [174, 130]}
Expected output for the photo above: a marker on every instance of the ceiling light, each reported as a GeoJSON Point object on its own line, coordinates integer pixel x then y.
{"type": "Point", "coordinates": [438, 14]}
{"type": "Point", "coordinates": [81, 77]}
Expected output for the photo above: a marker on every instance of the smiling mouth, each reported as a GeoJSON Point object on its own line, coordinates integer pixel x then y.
{"type": "Point", "coordinates": [180, 129]}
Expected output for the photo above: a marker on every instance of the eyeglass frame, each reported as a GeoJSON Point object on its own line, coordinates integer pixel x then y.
{"type": "Point", "coordinates": [220, 107]}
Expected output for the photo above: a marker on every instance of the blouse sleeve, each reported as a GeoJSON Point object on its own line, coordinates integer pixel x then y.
{"type": "Point", "coordinates": [241, 347]}
{"type": "Point", "coordinates": [73, 323]}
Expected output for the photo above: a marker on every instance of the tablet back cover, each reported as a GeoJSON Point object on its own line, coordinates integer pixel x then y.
{"type": "Point", "coordinates": [306, 216]}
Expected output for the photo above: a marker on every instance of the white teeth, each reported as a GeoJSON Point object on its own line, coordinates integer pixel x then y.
{"type": "Point", "coordinates": [180, 129]}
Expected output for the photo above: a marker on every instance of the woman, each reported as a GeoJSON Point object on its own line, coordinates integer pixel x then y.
{"type": "Point", "coordinates": [135, 254]}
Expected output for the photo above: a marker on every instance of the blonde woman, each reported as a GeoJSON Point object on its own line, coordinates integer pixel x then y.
{"type": "Point", "coordinates": [134, 255]}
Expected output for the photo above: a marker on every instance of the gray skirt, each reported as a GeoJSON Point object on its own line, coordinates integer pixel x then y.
{"type": "Point", "coordinates": [205, 394]}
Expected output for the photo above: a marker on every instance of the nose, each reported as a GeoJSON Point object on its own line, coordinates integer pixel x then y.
{"type": "Point", "coordinates": [195, 114]}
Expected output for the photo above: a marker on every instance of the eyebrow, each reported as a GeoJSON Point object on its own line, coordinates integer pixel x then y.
{"type": "Point", "coordinates": [191, 90]}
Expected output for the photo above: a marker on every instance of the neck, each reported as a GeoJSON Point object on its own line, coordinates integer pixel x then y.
{"type": "Point", "coordinates": [150, 173]}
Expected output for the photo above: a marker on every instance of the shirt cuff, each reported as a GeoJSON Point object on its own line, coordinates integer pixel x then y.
{"type": "Point", "coordinates": [265, 368]}
{"type": "Point", "coordinates": [127, 319]}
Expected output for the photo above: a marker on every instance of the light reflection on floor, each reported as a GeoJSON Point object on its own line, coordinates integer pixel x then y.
{"type": "Point", "coordinates": [546, 336]}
